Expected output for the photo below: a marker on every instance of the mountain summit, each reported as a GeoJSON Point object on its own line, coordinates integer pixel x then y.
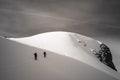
{"type": "Point", "coordinates": [70, 44]}
{"type": "Point", "coordinates": [75, 46]}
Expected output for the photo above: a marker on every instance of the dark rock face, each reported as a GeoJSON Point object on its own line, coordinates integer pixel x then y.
{"type": "Point", "coordinates": [105, 56]}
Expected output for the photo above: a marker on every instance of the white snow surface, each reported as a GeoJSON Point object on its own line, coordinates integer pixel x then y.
{"type": "Point", "coordinates": [69, 44]}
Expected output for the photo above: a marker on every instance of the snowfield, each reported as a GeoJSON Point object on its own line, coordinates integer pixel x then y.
{"type": "Point", "coordinates": [68, 58]}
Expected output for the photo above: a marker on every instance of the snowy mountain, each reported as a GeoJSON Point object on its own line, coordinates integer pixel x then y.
{"type": "Point", "coordinates": [65, 43]}
{"type": "Point", "coordinates": [68, 57]}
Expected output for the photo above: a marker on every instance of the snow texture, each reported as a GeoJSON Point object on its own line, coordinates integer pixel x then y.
{"type": "Point", "coordinates": [68, 58]}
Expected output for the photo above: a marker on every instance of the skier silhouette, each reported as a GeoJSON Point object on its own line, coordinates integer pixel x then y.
{"type": "Point", "coordinates": [35, 56]}
{"type": "Point", "coordinates": [45, 54]}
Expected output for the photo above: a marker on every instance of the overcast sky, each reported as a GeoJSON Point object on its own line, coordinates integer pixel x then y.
{"type": "Point", "coordinates": [94, 18]}
{"type": "Point", "coordinates": [99, 19]}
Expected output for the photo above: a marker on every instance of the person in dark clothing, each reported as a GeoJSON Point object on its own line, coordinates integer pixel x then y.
{"type": "Point", "coordinates": [35, 56]}
{"type": "Point", "coordinates": [106, 56]}
{"type": "Point", "coordinates": [45, 54]}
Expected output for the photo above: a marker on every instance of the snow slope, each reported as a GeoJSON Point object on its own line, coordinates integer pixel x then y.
{"type": "Point", "coordinates": [71, 45]}
{"type": "Point", "coordinates": [17, 63]}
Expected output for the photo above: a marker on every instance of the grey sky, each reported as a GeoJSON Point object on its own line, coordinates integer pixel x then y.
{"type": "Point", "coordinates": [88, 17]}
{"type": "Point", "coordinates": [99, 19]}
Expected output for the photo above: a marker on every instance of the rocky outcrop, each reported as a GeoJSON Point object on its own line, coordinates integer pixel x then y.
{"type": "Point", "coordinates": [105, 56]}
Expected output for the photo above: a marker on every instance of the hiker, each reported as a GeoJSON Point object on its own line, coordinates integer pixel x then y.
{"type": "Point", "coordinates": [45, 54]}
{"type": "Point", "coordinates": [35, 56]}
